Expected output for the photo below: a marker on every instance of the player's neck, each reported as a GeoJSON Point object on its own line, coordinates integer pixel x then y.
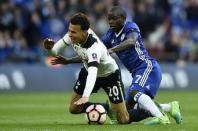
{"type": "Point", "coordinates": [118, 32]}
{"type": "Point", "coordinates": [85, 39]}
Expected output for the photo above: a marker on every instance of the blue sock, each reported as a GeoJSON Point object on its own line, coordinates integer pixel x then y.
{"type": "Point", "coordinates": [136, 115]}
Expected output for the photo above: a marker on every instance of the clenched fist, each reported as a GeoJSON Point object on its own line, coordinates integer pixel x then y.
{"type": "Point", "coordinates": [48, 44]}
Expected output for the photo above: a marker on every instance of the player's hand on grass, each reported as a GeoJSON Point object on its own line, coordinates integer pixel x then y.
{"type": "Point", "coordinates": [48, 44]}
{"type": "Point", "coordinates": [59, 60]}
{"type": "Point", "coordinates": [81, 101]}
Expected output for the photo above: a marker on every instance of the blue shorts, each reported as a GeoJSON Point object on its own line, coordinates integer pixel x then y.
{"type": "Point", "coordinates": [146, 79]}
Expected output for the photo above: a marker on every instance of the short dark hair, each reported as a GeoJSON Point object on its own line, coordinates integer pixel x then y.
{"type": "Point", "coordinates": [118, 11]}
{"type": "Point", "coordinates": [80, 19]}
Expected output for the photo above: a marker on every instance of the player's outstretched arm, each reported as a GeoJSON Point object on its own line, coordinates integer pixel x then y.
{"type": "Point", "coordinates": [129, 42]}
{"type": "Point", "coordinates": [62, 60]}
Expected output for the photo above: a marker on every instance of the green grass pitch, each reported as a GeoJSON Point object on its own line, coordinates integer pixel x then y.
{"type": "Point", "coordinates": [49, 111]}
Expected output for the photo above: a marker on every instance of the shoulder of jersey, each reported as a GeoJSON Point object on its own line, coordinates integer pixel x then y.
{"type": "Point", "coordinates": [131, 26]}
{"type": "Point", "coordinates": [90, 41]}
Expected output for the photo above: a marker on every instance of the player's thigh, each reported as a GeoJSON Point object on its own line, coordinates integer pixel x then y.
{"type": "Point", "coordinates": [113, 86]}
{"type": "Point", "coordinates": [121, 112]}
{"type": "Point", "coordinates": [75, 109]}
{"type": "Point", "coordinates": [146, 80]}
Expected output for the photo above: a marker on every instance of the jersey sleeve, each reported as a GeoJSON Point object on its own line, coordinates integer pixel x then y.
{"type": "Point", "coordinates": [106, 39]}
{"type": "Point", "coordinates": [90, 81]}
{"type": "Point", "coordinates": [94, 55]}
{"type": "Point", "coordinates": [66, 39]}
{"type": "Point", "coordinates": [132, 33]}
{"type": "Point", "coordinates": [132, 30]}
{"type": "Point", "coordinates": [132, 27]}
{"type": "Point", "coordinates": [60, 45]}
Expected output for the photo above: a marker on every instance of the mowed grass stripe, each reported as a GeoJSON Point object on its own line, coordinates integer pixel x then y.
{"type": "Point", "coordinates": [50, 111]}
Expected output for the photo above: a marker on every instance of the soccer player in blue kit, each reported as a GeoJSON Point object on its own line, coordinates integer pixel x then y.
{"type": "Point", "coordinates": [125, 40]}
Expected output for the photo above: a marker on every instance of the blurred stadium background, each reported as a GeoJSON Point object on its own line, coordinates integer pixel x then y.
{"type": "Point", "coordinates": [169, 29]}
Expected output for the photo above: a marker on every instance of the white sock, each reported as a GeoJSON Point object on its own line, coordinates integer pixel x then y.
{"type": "Point", "coordinates": [148, 104]}
{"type": "Point", "coordinates": [138, 106]}
{"type": "Point", "coordinates": [165, 107]}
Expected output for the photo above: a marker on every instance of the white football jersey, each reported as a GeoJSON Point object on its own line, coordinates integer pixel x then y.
{"type": "Point", "coordinates": [92, 51]}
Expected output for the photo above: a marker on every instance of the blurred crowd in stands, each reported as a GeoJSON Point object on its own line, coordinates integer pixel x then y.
{"type": "Point", "coordinates": [169, 27]}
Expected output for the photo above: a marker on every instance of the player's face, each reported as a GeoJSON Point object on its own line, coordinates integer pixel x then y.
{"type": "Point", "coordinates": [115, 22]}
{"type": "Point", "coordinates": [76, 34]}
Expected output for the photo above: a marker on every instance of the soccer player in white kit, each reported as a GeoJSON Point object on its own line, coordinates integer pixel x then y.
{"type": "Point", "coordinates": [99, 68]}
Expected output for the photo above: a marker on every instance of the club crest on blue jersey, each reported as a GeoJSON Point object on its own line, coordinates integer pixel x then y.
{"type": "Point", "coordinates": [122, 37]}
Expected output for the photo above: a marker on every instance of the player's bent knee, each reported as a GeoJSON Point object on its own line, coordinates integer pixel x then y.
{"type": "Point", "coordinates": [123, 118]}
{"type": "Point", "coordinates": [122, 113]}
{"type": "Point", "coordinates": [72, 110]}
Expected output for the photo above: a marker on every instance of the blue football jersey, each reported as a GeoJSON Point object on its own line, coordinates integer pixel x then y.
{"type": "Point", "coordinates": [131, 57]}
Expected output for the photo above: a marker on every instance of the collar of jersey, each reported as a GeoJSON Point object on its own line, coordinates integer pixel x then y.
{"type": "Point", "coordinates": [119, 32]}
{"type": "Point", "coordinates": [89, 41]}
{"type": "Point", "coordinates": [86, 43]}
